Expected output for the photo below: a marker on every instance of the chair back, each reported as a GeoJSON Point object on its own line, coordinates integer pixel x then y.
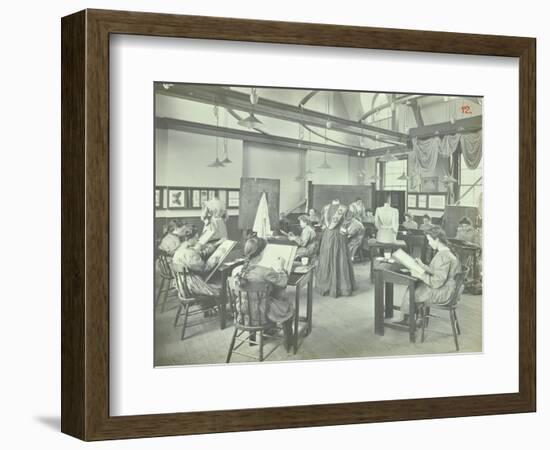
{"type": "Point", "coordinates": [250, 307]}
{"type": "Point", "coordinates": [460, 278]}
{"type": "Point", "coordinates": [164, 265]}
{"type": "Point", "coordinates": [182, 287]}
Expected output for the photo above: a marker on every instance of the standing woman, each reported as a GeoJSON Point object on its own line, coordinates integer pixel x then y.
{"type": "Point", "coordinates": [215, 230]}
{"type": "Point", "coordinates": [334, 274]}
{"type": "Point", "coordinates": [438, 281]}
{"type": "Point", "coordinates": [250, 276]}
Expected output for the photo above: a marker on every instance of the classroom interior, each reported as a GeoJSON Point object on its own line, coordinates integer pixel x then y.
{"type": "Point", "coordinates": [302, 149]}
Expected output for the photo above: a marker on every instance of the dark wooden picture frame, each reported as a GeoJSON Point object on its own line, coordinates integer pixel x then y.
{"type": "Point", "coordinates": [85, 230]}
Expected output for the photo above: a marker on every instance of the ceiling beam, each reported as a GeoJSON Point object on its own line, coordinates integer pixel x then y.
{"type": "Point", "coordinates": [280, 141]}
{"type": "Point", "coordinates": [417, 114]}
{"type": "Point", "coordinates": [467, 125]}
{"type": "Point", "coordinates": [237, 100]}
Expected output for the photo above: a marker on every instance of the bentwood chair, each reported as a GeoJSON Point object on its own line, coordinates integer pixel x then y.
{"type": "Point", "coordinates": [192, 305]}
{"type": "Point", "coordinates": [450, 306]}
{"type": "Point", "coordinates": [166, 278]}
{"type": "Point", "coordinates": [250, 321]}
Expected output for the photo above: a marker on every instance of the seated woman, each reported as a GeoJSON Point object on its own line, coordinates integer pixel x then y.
{"type": "Point", "coordinates": [465, 230]}
{"type": "Point", "coordinates": [355, 231]}
{"type": "Point", "coordinates": [409, 223]}
{"type": "Point", "coordinates": [276, 307]}
{"type": "Point", "coordinates": [313, 216]}
{"type": "Point", "coordinates": [307, 241]}
{"type": "Point", "coordinates": [171, 239]}
{"type": "Point", "coordinates": [188, 256]}
{"type": "Point", "coordinates": [438, 281]}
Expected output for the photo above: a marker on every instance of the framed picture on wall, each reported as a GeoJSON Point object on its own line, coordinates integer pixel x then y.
{"type": "Point", "coordinates": [195, 198]}
{"type": "Point", "coordinates": [176, 198]}
{"type": "Point", "coordinates": [437, 201]}
{"type": "Point", "coordinates": [411, 200]}
{"type": "Point", "coordinates": [422, 201]}
{"type": "Point", "coordinates": [233, 199]}
{"type": "Point", "coordinates": [115, 330]}
{"type": "Point", "coordinates": [159, 198]}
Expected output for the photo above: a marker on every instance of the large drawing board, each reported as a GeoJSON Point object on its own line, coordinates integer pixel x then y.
{"type": "Point", "coordinates": [250, 194]}
{"type": "Point", "coordinates": [273, 251]}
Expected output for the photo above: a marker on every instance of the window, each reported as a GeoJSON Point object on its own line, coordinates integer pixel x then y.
{"type": "Point", "coordinates": [470, 184]}
{"type": "Point", "coordinates": [389, 173]}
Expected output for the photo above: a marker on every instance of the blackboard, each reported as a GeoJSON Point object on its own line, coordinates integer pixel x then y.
{"type": "Point", "coordinates": [453, 214]}
{"type": "Point", "coordinates": [323, 194]}
{"type": "Point", "coordinates": [251, 192]}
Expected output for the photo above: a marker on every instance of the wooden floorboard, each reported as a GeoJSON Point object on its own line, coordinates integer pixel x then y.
{"type": "Point", "coordinates": [342, 328]}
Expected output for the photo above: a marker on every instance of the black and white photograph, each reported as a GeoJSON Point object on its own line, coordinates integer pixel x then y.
{"type": "Point", "coordinates": [320, 224]}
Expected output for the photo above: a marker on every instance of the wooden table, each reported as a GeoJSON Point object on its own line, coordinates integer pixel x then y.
{"type": "Point", "coordinates": [385, 276]}
{"type": "Point", "coordinates": [299, 280]}
{"type": "Point", "coordinates": [375, 247]}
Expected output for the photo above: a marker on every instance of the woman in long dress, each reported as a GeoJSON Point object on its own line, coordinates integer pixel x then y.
{"type": "Point", "coordinates": [215, 229]}
{"type": "Point", "coordinates": [437, 283]}
{"type": "Point", "coordinates": [334, 274]}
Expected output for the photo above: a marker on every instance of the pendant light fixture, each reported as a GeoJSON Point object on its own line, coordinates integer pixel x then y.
{"type": "Point", "coordinates": [387, 157]}
{"type": "Point", "coordinates": [403, 177]}
{"type": "Point", "coordinates": [251, 121]}
{"type": "Point", "coordinates": [225, 145]}
{"type": "Point", "coordinates": [325, 164]}
{"type": "Point", "coordinates": [217, 163]}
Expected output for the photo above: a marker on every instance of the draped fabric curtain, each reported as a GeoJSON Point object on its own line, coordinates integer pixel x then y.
{"type": "Point", "coordinates": [425, 153]}
{"type": "Point", "coordinates": [471, 149]}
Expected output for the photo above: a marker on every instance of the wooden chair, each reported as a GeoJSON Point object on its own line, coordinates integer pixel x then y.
{"type": "Point", "coordinates": [450, 306]}
{"type": "Point", "coordinates": [166, 278]}
{"type": "Point", "coordinates": [191, 305]}
{"type": "Point", "coordinates": [250, 320]}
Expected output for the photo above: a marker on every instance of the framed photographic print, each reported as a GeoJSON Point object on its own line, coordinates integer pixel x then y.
{"type": "Point", "coordinates": [176, 198]}
{"type": "Point", "coordinates": [422, 201]}
{"type": "Point", "coordinates": [233, 199]}
{"type": "Point", "coordinates": [159, 198]}
{"type": "Point", "coordinates": [147, 101]}
{"type": "Point", "coordinates": [411, 200]}
{"type": "Point", "coordinates": [437, 201]}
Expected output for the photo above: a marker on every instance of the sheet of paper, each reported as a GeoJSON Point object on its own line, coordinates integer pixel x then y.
{"type": "Point", "coordinates": [274, 251]}
{"type": "Point", "coordinates": [217, 258]}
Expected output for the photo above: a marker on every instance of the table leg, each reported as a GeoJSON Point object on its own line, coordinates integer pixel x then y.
{"type": "Point", "coordinates": [223, 302]}
{"type": "Point", "coordinates": [378, 303]}
{"type": "Point", "coordinates": [412, 313]}
{"type": "Point", "coordinates": [296, 317]}
{"type": "Point", "coordinates": [309, 304]}
{"type": "Point", "coordinates": [371, 255]}
{"type": "Point", "coordinates": [388, 308]}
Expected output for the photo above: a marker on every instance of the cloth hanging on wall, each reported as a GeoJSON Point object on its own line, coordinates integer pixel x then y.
{"type": "Point", "coordinates": [471, 149]}
{"type": "Point", "coordinates": [262, 225]}
{"type": "Point", "coordinates": [449, 144]}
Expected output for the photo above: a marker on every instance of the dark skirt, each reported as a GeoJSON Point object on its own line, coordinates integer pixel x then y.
{"type": "Point", "coordinates": [334, 275]}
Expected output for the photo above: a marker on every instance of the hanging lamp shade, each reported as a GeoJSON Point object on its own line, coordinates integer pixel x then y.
{"type": "Point", "coordinates": [373, 179]}
{"type": "Point", "coordinates": [388, 157]}
{"type": "Point", "coordinates": [325, 164]}
{"type": "Point", "coordinates": [250, 122]}
{"type": "Point", "coordinates": [226, 152]}
{"type": "Point", "coordinates": [403, 176]}
{"type": "Point", "coordinates": [449, 179]}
